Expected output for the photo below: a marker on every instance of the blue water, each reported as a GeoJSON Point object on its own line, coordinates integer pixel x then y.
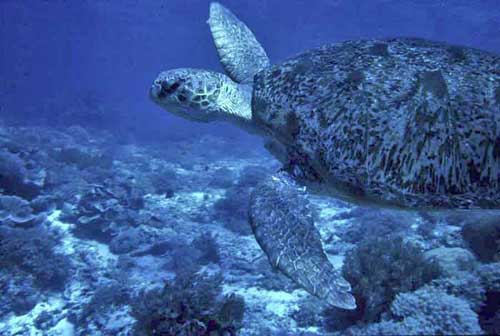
{"type": "Point", "coordinates": [57, 52]}
{"type": "Point", "coordinates": [118, 218]}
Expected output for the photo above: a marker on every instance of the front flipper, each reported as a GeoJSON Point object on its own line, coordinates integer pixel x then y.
{"type": "Point", "coordinates": [283, 225]}
{"type": "Point", "coordinates": [240, 53]}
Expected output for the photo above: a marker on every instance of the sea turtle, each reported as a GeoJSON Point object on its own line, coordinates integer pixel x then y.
{"type": "Point", "coordinates": [400, 122]}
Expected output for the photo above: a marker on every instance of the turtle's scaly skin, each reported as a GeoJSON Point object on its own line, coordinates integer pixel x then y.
{"type": "Point", "coordinates": [404, 121]}
{"type": "Point", "coordinates": [240, 53]}
{"type": "Point", "coordinates": [282, 222]}
{"type": "Point", "coordinates": [204, 96]}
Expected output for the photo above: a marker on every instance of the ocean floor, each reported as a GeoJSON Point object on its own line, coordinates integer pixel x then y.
{"type": "Point", "coordinates": [103, 238]}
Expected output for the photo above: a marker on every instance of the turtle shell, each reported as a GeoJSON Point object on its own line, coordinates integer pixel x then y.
{"type": "Point", "coordinates": [405, 121]}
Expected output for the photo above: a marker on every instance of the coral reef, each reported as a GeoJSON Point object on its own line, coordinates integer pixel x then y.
{"type": "Point", "coordinates": [464, 285]}
{"type": "Point", "coordinates": [425, 312]}
{"type": "Point", "coordinates": [191, 305]}
{"type": "Point", "coordinates": [16, 178]}
{"type": "Point", "coordinates": [18, 293]}
{"type": "Point", "coordinates": [103, 209]}
{"type": "Point", "coordinates": [15, 211]}
{"type": "Point", "coordinates": [483, 237]}
{"type": "Point", "coordinates": [371, 223]}
{"type": "Point", "coordinates": [99, 314]}
{"type": "Point", "coordinates": [452, 260]}
{"type": "Point", "coordinates": [223, 178]}
{"type": "Point", "coordinates": [233, 208]}
{"type": "Point", "coordinates": [432, 312]}
{"type": "Point", "coordinates": [380, 268]}
{"type": "Point", "coordinates": [103, 237]}
{"type": "Point", "coordinates": [82, 158]}
{"type": "Point", "coordinates": [207, 245]}
{"type": "Point", "coordinates": [131, 239]}
{"type": "Point", "coordinates": [490, 276]}
{"type": "Point", "coordinates": [489, 315]}
{"type": "Point", "coordinates": [31, 252]}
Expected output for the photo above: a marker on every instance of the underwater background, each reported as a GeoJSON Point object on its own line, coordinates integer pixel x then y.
{"type": "Point", "coordinates": [117, 218]}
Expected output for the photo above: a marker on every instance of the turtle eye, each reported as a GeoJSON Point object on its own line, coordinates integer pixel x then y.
{"type": "Point", "coordinates": [175, 86]}
{"type": "Point", "coordinates": [169, 89]}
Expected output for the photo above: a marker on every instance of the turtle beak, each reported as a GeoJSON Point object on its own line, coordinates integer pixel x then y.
{"type": "Point", "coordinates": [155, 91]}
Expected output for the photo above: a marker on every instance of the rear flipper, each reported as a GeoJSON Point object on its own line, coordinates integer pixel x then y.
{"type": "Point", "coordinates": [283, 225]}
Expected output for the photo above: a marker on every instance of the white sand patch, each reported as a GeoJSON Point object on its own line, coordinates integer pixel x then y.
{"type": "Point", "coordinates": [277, 303]}
{"type": "Point", "coordinates": [70, 244]}
{"type": "Point", "coordinates": [336, 260]}
{"type": "Point", "coordinates": [148, 271]}
{"type": "Point", "coordinates": [24, 324]}
{"type": "Point", "coordinates": [185, 202]}
{"type": "Point", "coordinates": [103, 252]}
{"type": "Point", "coordinates": [329, 212]}
{"type": "Point", "coordinates": [182, 172]}
{"type": "Point", "coordinates": [63, 328]}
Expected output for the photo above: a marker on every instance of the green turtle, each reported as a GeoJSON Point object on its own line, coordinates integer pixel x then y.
{"type": "Point", "coordinates": [402, 122]}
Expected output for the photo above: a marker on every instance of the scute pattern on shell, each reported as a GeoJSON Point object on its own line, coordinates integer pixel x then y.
{"type": "Point", "coordinates": [405, 121]}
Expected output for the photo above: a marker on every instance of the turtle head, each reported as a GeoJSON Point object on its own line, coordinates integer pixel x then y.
{"type": "Point", "coordinates": [188, 93]}
{"type": "Point", "coordinates": [205, 96]}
